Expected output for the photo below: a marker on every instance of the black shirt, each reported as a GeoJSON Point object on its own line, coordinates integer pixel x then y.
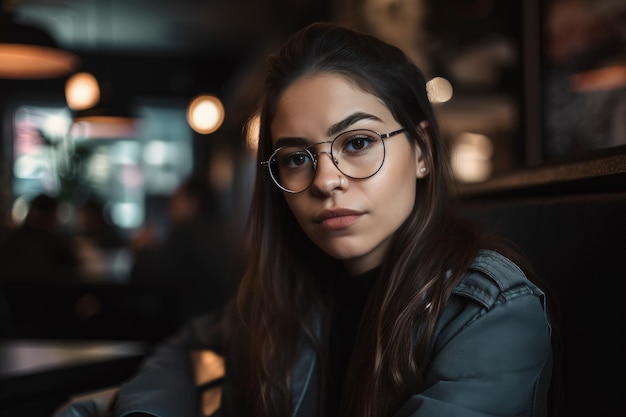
{"type": "Point", "coordinates": [349, 298]}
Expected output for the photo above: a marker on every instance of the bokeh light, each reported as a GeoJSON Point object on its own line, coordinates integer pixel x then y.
{"type": "Point", "coordinates": [205, 114]}
{"type": "Point", "coordinates": [82, 91]}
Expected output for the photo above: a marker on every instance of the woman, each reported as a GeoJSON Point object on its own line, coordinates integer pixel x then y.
{"type": "Point", "coordinates": [364, 295]}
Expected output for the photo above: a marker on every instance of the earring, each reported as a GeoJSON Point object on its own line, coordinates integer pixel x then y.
{"type": "Point", "coordinates": [422, 170]}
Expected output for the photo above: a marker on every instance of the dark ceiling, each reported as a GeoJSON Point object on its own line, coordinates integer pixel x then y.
{"type": "Point", "coordinates": [166, 27]}
{"type": "Point", "coordinates": [224, 34]}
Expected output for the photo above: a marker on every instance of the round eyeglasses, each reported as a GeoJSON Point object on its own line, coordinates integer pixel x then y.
{"type": "Point", "coordinates": [357, 154]}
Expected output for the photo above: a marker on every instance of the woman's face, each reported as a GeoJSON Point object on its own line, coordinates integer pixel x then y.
{"type": "Point", "coordinates": [351, 220]}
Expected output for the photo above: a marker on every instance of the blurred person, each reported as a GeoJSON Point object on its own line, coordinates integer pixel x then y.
{"type": "Point", "coordinates": [100, 246]}
{"type": "Point", "coordinates": [38, 250]}
{"type": "Point", "coordinates": [192, 258]}
{"type": "Point", "coordinates": [364, 294]}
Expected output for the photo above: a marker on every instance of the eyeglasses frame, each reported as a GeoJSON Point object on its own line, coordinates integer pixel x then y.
{"type": "Point", "coordinates": [314, 157]}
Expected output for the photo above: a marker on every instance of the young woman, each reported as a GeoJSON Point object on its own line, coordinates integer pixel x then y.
{"type": "Point", "coordinates": [364, 295]}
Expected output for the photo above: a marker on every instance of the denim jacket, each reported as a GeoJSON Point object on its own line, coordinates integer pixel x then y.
{"type": "Point", "coordinates": [491, 356]}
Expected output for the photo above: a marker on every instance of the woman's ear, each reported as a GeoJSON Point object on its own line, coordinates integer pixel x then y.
{"type": "Point", "coordinates": [421, 162]}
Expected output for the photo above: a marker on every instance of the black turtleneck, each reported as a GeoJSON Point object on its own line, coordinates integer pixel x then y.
{"type": "Point", "coordinates": [349, 298]}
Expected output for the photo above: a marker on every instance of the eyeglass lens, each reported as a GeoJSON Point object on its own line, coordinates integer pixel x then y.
{"type": "Point", "coordinates": [357, 154]}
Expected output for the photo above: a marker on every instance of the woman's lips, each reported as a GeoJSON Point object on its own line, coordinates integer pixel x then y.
{"type": "Point", "coordinates": [337, 219]}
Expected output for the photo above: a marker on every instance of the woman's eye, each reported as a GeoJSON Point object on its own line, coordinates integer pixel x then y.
{"type": "Point", "coordinates": [295, 159]}
{"type": "Point", "coordinates": [358, 143]}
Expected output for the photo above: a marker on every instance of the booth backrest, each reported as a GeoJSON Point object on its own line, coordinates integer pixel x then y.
{"type": "Point", "coordinates": [577, 244]}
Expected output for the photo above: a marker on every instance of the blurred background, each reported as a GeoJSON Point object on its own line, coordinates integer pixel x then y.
{"type": "Point", "coordinates": [121, 141]}
{"type": "Point", "coordinates": [125, 174]}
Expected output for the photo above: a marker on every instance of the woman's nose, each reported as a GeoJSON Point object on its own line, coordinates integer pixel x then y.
{"type": "Point", "coordinates": [327, 177]}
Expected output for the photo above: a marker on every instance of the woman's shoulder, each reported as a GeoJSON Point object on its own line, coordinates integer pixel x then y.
{"type": "Point", "coordinates": [494, 299]}
{"type": "Point", "coordinates": [493, 278]}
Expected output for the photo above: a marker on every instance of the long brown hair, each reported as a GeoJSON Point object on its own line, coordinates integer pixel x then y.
{"type": "Point", "coordinates": [429, 253]}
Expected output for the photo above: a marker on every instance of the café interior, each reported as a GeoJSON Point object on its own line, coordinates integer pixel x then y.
{"type": "Point", "coordinates": [113, 105]}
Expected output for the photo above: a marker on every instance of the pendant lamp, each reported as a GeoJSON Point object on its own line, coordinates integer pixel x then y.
{"type": "Point", "coordinates": [112, 117]}
{"type": "Point", "coordinates": [28, 52]}
{"type": "Point", "coordinates": [113, 107]}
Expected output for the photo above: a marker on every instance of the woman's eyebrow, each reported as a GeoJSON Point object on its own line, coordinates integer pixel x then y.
{"type": "Point", "coordinates": [332, 131]}
{"type": "Point", "coordinates": [349, 121]}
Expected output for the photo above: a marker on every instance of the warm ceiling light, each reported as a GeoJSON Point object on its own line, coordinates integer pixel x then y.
{"type": "Point", "coordinates": [82, 91]}
{"type": "Point", "coordinates": [439, 90]}
{"type": "Point", "coordinates": [104, 122]}
{"type": "Point", "coordinates": [102, 127]}
{"type": "Point", "coordinates": [27, 52]}
{"type": "Point", "coordinates": [471, 157]}
{"type": "Point", "coordinates": [205, 114]}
